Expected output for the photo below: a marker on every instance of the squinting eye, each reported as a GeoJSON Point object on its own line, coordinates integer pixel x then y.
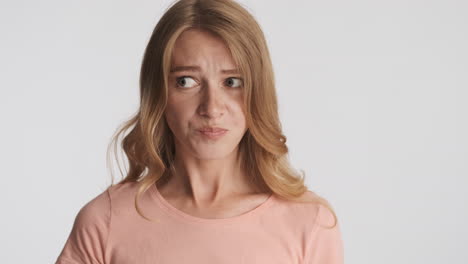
{"type": "Point", "coordinates": [181, 81]}
{"type": "Point", "coordinates": [237, 82]}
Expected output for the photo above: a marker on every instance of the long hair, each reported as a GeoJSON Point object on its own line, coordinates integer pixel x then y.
{"type": "Point", "coordinates": [149, 146]}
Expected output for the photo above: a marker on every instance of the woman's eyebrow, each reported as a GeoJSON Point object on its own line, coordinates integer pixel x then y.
{"type": "Point", "coordinates": [197, 68]}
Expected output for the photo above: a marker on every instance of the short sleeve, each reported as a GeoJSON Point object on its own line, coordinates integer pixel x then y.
{"type": "Point", "coordinates": [87, 240]}
{"type": "Point", "coordinates": [326, 243]}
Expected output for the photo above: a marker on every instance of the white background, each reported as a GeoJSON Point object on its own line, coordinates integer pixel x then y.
{"type": "Point", "coordinates": [373, 99]}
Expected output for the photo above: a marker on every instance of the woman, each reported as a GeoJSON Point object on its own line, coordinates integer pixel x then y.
{"type": "Point", "coordinates": [209, 179]}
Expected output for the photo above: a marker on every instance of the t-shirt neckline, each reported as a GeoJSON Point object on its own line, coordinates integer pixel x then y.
{"type": "Point", "coordinates": [173, 211]}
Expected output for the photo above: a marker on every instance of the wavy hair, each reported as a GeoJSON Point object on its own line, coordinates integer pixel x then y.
{"type": "Point", "coordinates": [149, 144]}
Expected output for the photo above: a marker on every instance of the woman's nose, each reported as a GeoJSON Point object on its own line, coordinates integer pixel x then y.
{"type": "Point", "coordinates": [212, 104]}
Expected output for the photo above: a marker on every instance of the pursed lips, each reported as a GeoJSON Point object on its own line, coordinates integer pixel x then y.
{"type": "Point", "coordinates": [212, 129]}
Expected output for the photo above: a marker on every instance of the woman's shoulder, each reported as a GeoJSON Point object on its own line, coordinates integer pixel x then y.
{"type": "Point", "coordinates": [95, 210]}
{"type": "Point", "coordinates": [90, 230]}
{"type": "Point", "coordinates": [99, 207]}
{"type": "Point", "coordinates": [120, 190]}
{"type": "Point", "coordinates": [310, 211]}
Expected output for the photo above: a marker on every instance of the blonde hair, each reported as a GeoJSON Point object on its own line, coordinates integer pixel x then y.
{"type": "Point", "coordinates": [149, 146]}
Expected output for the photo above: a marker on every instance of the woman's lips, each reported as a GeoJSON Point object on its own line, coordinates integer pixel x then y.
{"type": "Point", "coordinates": [213, 134]}
{"type": "Point", "coordinates": [212, 129]}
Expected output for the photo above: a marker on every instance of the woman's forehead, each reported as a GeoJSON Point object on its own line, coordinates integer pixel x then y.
{"type": "Point", "coordinates": [195, 47]}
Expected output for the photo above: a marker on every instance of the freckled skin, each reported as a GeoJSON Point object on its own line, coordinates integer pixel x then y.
{"type": "Point", "coordinates": [207, 97]}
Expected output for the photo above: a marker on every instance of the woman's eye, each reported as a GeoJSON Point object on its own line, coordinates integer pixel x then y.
{"type": "Point", "coordinates": [234, 82]}
{"type": "Point", "coordinates": [185, 82]}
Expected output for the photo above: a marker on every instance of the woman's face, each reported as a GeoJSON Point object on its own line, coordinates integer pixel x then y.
{"type": "Point", "coordinates": [205, 90]}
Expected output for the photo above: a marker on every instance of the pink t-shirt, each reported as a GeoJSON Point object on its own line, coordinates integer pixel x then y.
{"type": "Point", "coordinates": [108, 229]}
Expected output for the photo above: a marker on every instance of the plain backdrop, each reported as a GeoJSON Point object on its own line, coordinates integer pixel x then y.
{"type": "Point", "coordinates": [373, 100]}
